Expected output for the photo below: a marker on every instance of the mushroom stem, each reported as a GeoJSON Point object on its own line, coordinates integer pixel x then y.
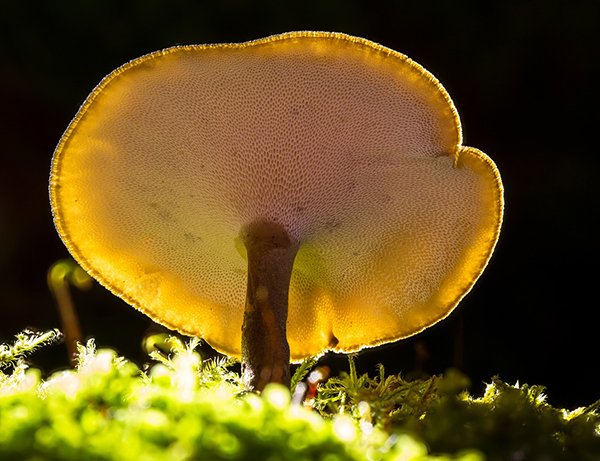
{"type": "Point", "coordinates": [265, 350]}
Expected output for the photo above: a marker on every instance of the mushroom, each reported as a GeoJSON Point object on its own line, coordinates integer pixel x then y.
{"type": "Point", "coordinates": [307, 188]}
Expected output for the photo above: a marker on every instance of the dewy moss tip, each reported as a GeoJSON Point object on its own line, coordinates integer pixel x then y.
{"type": "Point", "coordinates": [26, 342]}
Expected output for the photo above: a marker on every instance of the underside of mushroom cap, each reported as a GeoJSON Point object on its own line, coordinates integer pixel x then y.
{"type": "Point", "coordinates": [351, 147]}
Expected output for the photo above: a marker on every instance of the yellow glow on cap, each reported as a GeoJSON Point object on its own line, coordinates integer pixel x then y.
{"type": "Point", "coordinates": [352, 147]}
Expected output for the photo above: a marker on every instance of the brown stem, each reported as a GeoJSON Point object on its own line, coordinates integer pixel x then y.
{"type": "Point", "coordinates": [265, 350]}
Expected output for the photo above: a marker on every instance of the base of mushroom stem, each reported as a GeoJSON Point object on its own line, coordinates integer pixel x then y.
{"type": "Point", "coordinates": [265, 350]}
{"type": "Point", "coordinates": [264, 359]}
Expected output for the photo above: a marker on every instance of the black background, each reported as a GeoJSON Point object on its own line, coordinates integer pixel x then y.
{"type": "Point", "coordinates": [523, 76]}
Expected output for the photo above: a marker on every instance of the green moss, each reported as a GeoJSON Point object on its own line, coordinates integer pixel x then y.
{"type": "Point", "coordinates": [25, 343]}
{"type": "Point", "coordinates": [506, 423]}
{"type": "Point", "coordinates": [186, 408]}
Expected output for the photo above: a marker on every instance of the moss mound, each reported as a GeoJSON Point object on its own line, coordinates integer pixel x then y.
{"type": "Point", "coordinates": [186, 408]}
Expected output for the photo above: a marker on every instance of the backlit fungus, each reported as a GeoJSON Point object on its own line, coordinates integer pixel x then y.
{"type": "Point", "coordinates": [308, 189]}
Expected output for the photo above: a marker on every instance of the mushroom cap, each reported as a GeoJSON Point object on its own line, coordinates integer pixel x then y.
{"type": "Point", "coordinates": [352, 147]}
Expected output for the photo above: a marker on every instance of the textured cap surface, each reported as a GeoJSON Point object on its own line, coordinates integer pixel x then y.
{"type": "Point", "coordinates": [352, 147]}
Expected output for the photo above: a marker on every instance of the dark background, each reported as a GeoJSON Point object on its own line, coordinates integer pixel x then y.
{"type": "Point", "coordinates": [523, 76]}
